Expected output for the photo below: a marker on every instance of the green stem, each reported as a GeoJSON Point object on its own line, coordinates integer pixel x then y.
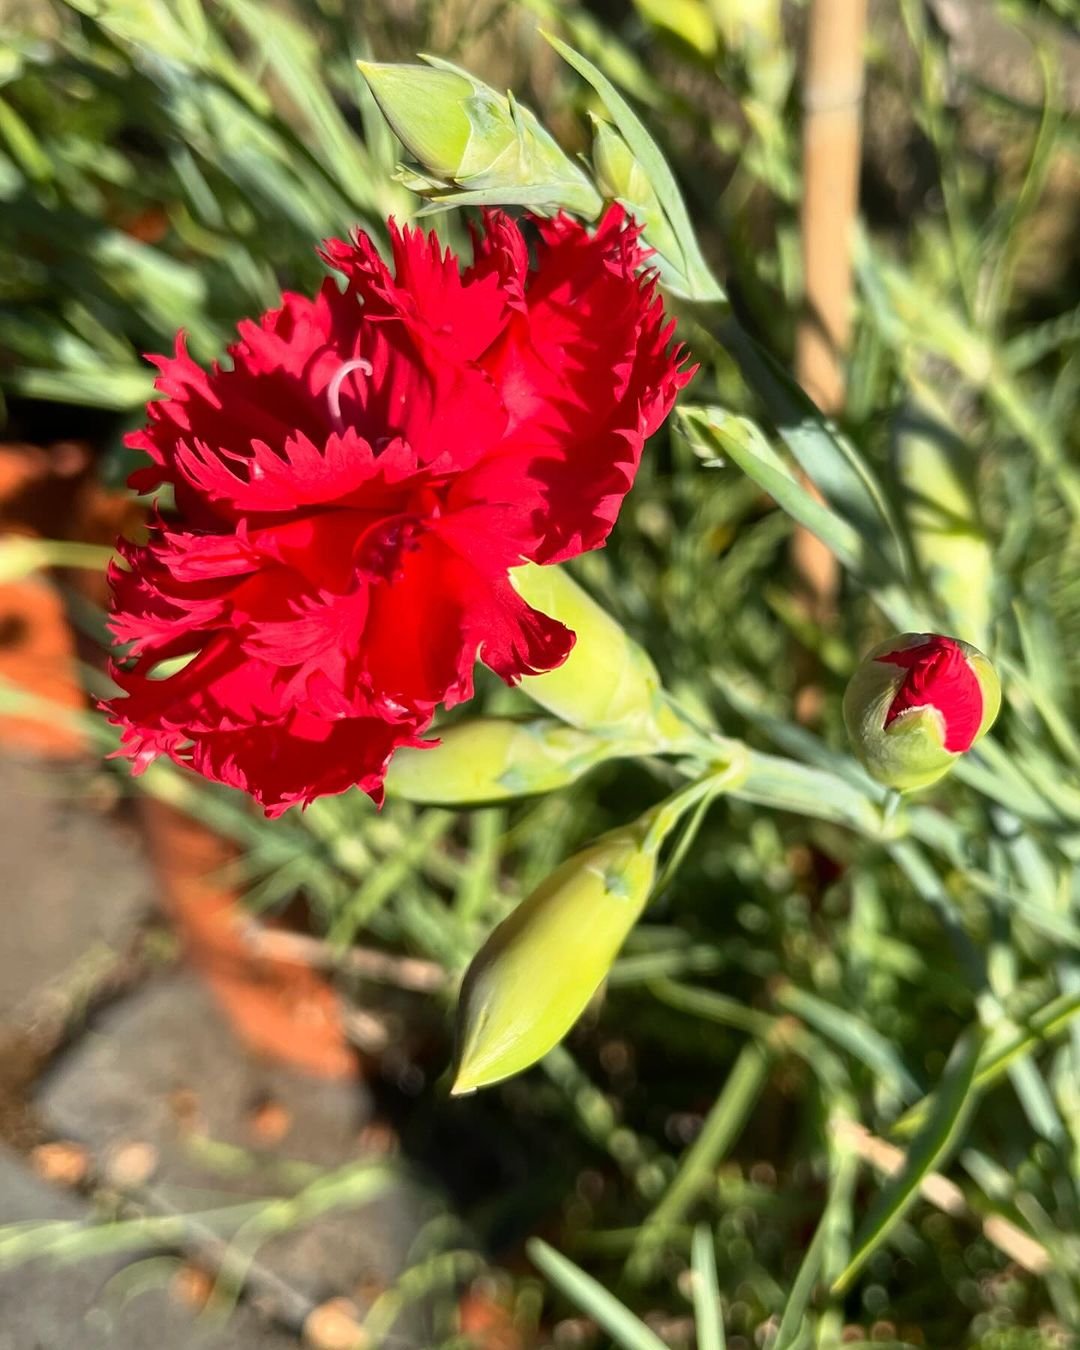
{"type": "Point", "coordinates": [662, 819]}
{"type": "Point", "coordinates": [20, 556]}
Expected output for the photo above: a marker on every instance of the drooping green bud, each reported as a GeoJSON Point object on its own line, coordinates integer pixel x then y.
{"type": "Point", "coordinates": [473, 144]}
{"type": "Point", "coordinates": [536, 973]}
{"type": "Point", "coordinates": [607, 684]}
{"type": "Point", "coordinates": [493, 759]}
{"type": "Point", "coordinates": [621, 178]}
{"type": "Point", "coordinates": [916, 703]}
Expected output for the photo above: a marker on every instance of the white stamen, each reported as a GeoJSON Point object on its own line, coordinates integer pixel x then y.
{"type": "Point", "coordinates": [333, 389]}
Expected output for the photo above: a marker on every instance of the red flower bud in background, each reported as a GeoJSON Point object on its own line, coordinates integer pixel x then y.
{"type": "Point", "coordinates": [916, 703]}
{"type": "Point", "coordinates": [352, 490]}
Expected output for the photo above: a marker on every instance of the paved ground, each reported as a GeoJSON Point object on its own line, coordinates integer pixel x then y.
{"type": "Point", "coordinates": [87, 1304]}
{"type": "Point", "coordinates": [158, 1111]}
{"type": "Point", "coordinates": [72, 881]}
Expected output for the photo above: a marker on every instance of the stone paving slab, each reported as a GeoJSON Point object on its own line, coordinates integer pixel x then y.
{"type": "Point", "coordinates": [161, 1068]}
{"type": "Point", "coordinates": [158, 1079]}
{"type": "Point", "coordinates": [71, 879]}
{"type": "Point", "coordinates": [81, 1306]}
{"type": "Point", "coordinates": [163, 1063]}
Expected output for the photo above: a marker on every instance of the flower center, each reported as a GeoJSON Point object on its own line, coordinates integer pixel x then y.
{"type": "Point", "coordinates": [333, 389]}
{"type": "Point", "coordinates": [385, 544]}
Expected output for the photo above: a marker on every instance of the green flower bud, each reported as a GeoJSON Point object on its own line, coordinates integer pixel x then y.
{"type": "Point", "coordinates": [473, 144]}
{"type": "Point", "coordinates": [916, 703]}
{"type": "Point", "coordinates": [426, 111]}
{"type": "Point", "coordinates": [621, 178]}
{"type": "Point", "coordinates": [534, 976]}
{"type": "Point", "coordinates": [618, 174]}
{"type": "Point", "coordinates": [607, 684]}
{"type": "Point", "coordinates": [493, 759]}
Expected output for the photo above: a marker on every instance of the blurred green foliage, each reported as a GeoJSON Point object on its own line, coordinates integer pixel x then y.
{"type": "Point", "coordinates": [169, 163]}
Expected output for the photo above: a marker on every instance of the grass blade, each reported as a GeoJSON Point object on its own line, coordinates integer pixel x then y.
{"type": "Point", "coordinates": [626, 1330]}
{"type": "Point", "coordinates": [708, 1315]}
{"type": "Point", "coordinates": [953, 1101]}
{"type": "Point", "coordinates": [851, 1033]}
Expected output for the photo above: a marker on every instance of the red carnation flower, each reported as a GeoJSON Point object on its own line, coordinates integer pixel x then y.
{"type": "Point", "coordinates": [353, 489]}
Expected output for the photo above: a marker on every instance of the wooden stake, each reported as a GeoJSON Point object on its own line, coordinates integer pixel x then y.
{"type": "Point", "coordinates": [832, 127]}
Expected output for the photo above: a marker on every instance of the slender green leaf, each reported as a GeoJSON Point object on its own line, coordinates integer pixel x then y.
{"type": "Point", "coordinates": [785, 785]}
{"type": "Point", "coordinates": [941, 1133]}
{"type": "Point", "coordinates": [993, 771]}
{"type": "Point", "coordinates": [722, 1126]}
{"type": "Point", "coordinates": [826, 457]}
{"type": "Point", "coordinates": [997, 1056]}
{"type": "Point", "coordinates": [716, 1007]}
{"type": "Point", "coordinates": [655, 166]}
{"type": "Point", "coordinates": [813, 1264]}
{"type": "Point", "coordinates": [738, 438]}
{"type": "Point", "coordinates": [592, 1298]}
{"type": "Point", "coordinates": [708, 1312]}
{"type": "Point", "coordinates": [101, 388]}
{"type": "Point", "coordinates": [852, 1033]}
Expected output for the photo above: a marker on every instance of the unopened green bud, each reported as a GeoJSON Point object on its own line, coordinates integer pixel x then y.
{"type": "Point", "coordinates": [536, 973]}
{"type": "Point", "coordinates": [426, 111]}
{"type": "Point", "coordinates": [916, 703]}
{"type": "Point", "coordinates": [607, 684]}
{"type": "Point", "coordinates": [472, 143]}
{"type": "Point", "coordinates": [494, 759]}
{"type": "Point", "coordinates": [620, 177]}
{"type": "Point", "coordinates": [618, 174]}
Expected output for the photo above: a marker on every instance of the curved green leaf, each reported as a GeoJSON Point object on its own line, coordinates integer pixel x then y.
{"type": "Point", "coordinates": [592, 1298]}
{"type": "Point", "coordinates": [939, 1136]}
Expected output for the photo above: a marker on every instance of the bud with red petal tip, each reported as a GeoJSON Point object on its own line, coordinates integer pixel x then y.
{"type": "Point", "coordinates": [916, 703]}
